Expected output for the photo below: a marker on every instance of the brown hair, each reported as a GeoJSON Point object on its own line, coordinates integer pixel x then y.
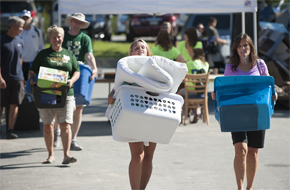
{"type": "Point", "coordinates": [192, 36]}
{"type": "Point", "coordinates": [198, 54]}
{"type": "Point", "coordinates": [140, 40]}
{"type": "Point", "coordinates": [163, 40]}
{"type": "Point", "coordinates": [235, 58]}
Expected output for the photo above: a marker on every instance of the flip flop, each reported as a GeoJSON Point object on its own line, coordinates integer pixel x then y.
{"type": "Point", "coordinates": [69, 160]}
{"type": "Point", "coordinates": [48, 161]}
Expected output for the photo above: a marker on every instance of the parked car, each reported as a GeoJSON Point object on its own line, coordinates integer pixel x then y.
{"type": "Point", "coordinates": [147, 25]}
{"type": "Point", "coordinates": [14, 8]}
{"type": "Point", "coordinates": [121, 24]}
{"type": "Point", "coordinates": [100, 27]}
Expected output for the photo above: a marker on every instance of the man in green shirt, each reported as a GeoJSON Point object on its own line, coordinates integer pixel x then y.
{"type": "Point", "coordinates": [81, 46]}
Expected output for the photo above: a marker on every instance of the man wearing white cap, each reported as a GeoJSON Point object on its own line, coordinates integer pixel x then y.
{"type": "Point", "coordinates": [80, 44]}
{"type": "Point", "coordinates": [33, 42]}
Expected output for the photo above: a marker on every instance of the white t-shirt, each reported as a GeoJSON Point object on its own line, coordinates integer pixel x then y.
{"type": "Point", "coordinates": [33, 43]}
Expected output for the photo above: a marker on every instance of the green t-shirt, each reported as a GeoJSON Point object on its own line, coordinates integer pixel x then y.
{"type": "Point", "coordinates": [170, 54]}
{"type": "Point", "coordinates": [183, 50]}
{"type": "Point", "coordinates": [194, 66]}
{"type": "Point", "coordinates": [79, 45]}
{"type": "Point", "coordinates": [63, 60]}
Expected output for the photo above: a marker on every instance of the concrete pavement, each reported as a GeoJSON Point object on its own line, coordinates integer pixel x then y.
{"type": "Point", "coordinates": [199, 157]}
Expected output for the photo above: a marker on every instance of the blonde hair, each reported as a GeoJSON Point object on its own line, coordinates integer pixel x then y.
{"type": "Point", "coordinates": [142, 41]}
{"type": "Point", "coordinates": [55, 29]}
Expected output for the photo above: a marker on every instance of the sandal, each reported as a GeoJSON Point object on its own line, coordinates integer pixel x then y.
{"type": "Point", "coordinates": [69, 160]}
{"type": "Point", "coordinates": [195, 119]}
{"type": "Point", "coordinates": [48, 161]}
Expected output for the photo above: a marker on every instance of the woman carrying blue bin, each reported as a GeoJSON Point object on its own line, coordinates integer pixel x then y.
{"type": "Point", "coordinates": [59, 58]}
{"type": "Point", "coordinates": [244, 61]}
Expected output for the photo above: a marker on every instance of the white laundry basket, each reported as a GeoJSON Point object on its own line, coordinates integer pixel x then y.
{"type": "Point", "coordinates": [139, 115]}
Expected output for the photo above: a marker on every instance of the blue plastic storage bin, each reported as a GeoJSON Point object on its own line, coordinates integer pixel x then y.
{"type": "Point", "coordinates": [83, 87]}
{"type": "Point", "coordinates": [243, 103]}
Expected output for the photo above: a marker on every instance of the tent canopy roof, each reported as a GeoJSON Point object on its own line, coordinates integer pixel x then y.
{"type": "Point", "coordinates": [155, 6]}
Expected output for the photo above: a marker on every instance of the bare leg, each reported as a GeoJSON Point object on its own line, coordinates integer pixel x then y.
{"type": "Point", "coordinates": [13, 112]}
{"type": "Point", "coordinates": [65, 138]}
{"type": "Point", "coordinates": [135, 166]}
{"type": "Point", "coordinates": [252, 165]}
{"type": "Point", "coordinates": [240, 163]}
{"type": "Point", "coordinates": [215, 71]}
{"type": "Point", "coordinates": [77, 121]}
{"type": "Point", "coordinates": [147, 165]}
{"type": "Point", "coordinates": [48, 138]}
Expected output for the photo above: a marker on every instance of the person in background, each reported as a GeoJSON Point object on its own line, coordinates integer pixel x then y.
{"type": "Point", "coordinates": [165, 48]}
{"type": "Point", "coordinates": [168, 27]}
{"type": "Point", "coordinates": [191, 41]}
{"type": "Point", "coordinates": [243, 61]}
{"type": "Point", "coordinates": [66, 61]}
{"type": "Point", "coordinates": [215, 59]}
{"type": "Point", "coordinates": [200, 31]}
{"type": "Point", "coordinates": [140, 167]}
{"type": "Point", "coordinates": [197, 65]}
{"type": "Point", "coordinates": [81, 46]}
{"type": "Point", "coordinates": [33, 42]}
{"type": "Point", "coordinates": [11, 77]}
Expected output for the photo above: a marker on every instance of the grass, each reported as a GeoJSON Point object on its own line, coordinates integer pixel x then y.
{"type": "Point", "coordinates": [104, 49]}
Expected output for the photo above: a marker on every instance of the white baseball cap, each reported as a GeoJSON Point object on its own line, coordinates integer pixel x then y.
{"type": "Point", "coordinates": [25, 13]}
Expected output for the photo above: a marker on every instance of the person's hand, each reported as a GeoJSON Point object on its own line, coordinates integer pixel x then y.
{"type": "Point", "coordinates": [3, 84]}
{"type": "Point", "coordinates": [32, 82]}
{"type": "Point", "coordinates": [70, 83]}
{"type": "Point", "coordinates": [275, 97]}
{"type": "Point", "coordinates": [213, 95]}
{"type": "Point", "coordinates": [111, 99]}
{"type": "Point", "coordinates": [94, 74]}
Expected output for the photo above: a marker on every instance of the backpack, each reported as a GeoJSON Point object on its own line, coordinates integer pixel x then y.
{"type": "Point", "coordinates": [211, 47]}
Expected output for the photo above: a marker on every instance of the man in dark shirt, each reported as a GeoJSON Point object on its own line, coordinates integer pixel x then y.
{"type": "Point", "coordinates": [215, 60]}
{"type": "Point", "coordinates": [11, 77]}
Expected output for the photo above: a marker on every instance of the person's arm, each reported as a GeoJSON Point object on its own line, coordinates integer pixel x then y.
{"type": "Point", "coordinates": [31, 76]}
{"type": "Point", "coordinates": [111, 100]}
{"type": "Point", "coordinates": [92, 62]}
{"type": "Point", "coordinates": [221, 41]}
{"type": "Point", "coordinates": [275, 96]}
{"type": "Point", "coordinates": [74, 78]}
{"type": "Point", "coordinates": [180, 58]}
{"type": "Point", "coordinates": [2, 81]}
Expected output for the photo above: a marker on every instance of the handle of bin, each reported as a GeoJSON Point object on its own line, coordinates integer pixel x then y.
{"type": "Point", "coordinates": [42, 89]}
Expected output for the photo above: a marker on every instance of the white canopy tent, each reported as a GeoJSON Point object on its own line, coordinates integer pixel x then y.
{"type": "Point", "coordinates": [160, 7]}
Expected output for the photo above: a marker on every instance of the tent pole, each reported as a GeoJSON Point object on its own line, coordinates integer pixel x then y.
{"type": "Point", "coordinates": [59, 21]}
{"type": "Point", "coordinates": [243, 23]}
{"type": "Point", "coordinates": [255, 31]}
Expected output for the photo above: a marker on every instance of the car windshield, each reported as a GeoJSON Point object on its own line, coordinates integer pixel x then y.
{"type": "Point", "coordinates": [14, 7]}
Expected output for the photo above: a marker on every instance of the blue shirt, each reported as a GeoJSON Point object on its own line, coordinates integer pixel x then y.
{"type": "Point", "coordinates": [11, 53]}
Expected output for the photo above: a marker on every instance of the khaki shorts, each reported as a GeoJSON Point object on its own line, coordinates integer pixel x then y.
{"type": "Point", "coordinates": [64, 114]}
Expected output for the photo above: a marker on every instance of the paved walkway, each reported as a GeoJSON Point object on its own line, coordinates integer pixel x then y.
{"type": "Point", "coordinates": [199, 157]}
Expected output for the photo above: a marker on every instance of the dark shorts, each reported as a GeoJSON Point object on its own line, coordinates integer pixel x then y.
{"type": "Point", "coordinates": [254, 139]}
{"type": "Point", "coordinates": [220, 64]}
{"type": "Point", "coordinates": [13, 93]}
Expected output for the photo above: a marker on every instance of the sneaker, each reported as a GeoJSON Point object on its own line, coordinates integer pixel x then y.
{"type": "Point", "coordinates": [75, 146]}
{"type": "Point", "coordinates": [56, 141]}
{"type": "Point", "coordinates": [11, 135]}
